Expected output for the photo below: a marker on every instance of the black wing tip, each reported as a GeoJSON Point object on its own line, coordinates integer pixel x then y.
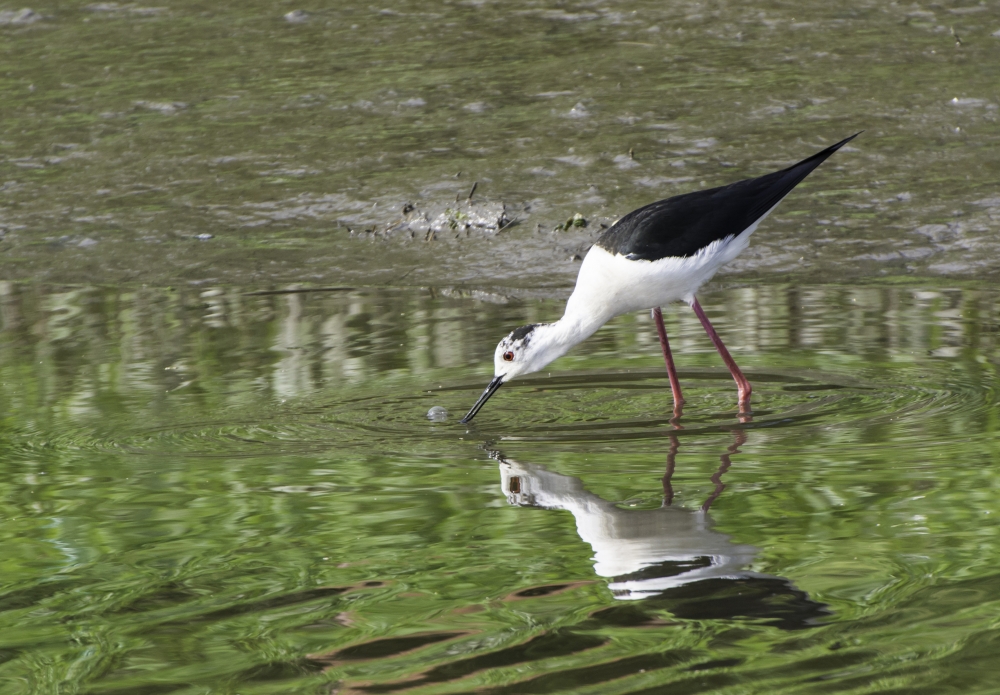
{"type": "Point", "coordinates": [809, 163]}
{"type": "Point", "coordinates": [620, 238]}
{"type": "Point", "coordinates": [836, 146]}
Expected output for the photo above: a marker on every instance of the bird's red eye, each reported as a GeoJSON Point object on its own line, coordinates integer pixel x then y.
{"type": "Point", "coordinates": [508, 356]}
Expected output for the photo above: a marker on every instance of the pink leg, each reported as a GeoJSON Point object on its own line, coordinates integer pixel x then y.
{"type": "Point", "coordinates": [675, 384]}
{"type": "Point", "coordinates": [741, 381]}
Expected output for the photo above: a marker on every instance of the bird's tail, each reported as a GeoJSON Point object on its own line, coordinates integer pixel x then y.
{"type": "Point", "coordinates": [780, 183]}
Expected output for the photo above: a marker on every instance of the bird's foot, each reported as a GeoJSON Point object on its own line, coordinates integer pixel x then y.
{"type": "Point", "coordinates": [746, 413]}
{"type": "Point", "coordinates": [678, 413]}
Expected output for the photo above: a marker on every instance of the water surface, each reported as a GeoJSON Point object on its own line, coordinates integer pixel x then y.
{"type": "Point", "coordinates": [212, 491]}
{"type": "Point", "coordinates": [214, 482]}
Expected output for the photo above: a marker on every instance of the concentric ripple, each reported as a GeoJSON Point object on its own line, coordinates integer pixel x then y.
{"type": "Point", "coordinates": [566, 408]}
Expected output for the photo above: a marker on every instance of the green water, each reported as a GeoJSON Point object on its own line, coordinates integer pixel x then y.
{"type": "Point", "coordinates": [208, 491]}
{"type": "Point", "coordinates": [216, 479]}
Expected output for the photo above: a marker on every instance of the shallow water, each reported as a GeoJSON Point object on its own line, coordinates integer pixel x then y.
{"type": "Point", "coordinates": [215, 483]}
{"type": "Point", "coordinates": [130, 133]}
{"type": "Point", "coordinates": [213, 491]}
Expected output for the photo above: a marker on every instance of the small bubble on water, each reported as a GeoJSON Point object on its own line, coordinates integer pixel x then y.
{"type": "Point", "coordinates": [437, 414]}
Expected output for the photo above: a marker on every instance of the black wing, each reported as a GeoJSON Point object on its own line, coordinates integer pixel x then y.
{"type": "Point", "coordinates": [682, 225]}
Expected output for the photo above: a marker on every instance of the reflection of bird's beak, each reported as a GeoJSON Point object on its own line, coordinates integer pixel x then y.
{"type": "Point", "coordinates": [490, 390]}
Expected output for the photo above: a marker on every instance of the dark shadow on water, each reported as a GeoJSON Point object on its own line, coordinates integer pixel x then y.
{"type": "Point", "coordinates": [386, 647]}
{"type": "Point", "coordinates": [691, 672]}
{"type": "Point", "coordinates": [546, 646]}
{"type": "Point", "coordinates": [581, 677]}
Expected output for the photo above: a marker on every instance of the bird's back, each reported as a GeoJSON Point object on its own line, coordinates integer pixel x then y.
{"type": "Point", "coordinates": [679, 227]}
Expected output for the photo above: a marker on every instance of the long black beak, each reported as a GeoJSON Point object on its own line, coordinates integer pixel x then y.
{"type": "Point", "coordinates": [490, 390]}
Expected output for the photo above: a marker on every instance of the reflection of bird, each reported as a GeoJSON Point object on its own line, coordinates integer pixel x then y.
{"type": "Point", "coordinates": [668, 554]}
{"type": "Point", "coordinates": [629, 543]}
{"type": "Point", "coordinates": [652, 256]}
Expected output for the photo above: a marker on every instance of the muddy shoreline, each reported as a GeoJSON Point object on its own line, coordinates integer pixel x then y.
{"type": "Point", "coordinates": [259, 148]}
{"type": "Point", "coordinates": [492, 247]}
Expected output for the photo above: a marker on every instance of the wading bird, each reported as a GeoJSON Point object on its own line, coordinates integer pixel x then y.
{"type": "Point", "coordinates": [655, 255]}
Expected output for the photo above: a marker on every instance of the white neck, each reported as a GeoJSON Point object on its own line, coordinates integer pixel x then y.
{"type": "Point", "coordinates": [578, 325]}
{"type": "Point", "coordinates": [574, 327]}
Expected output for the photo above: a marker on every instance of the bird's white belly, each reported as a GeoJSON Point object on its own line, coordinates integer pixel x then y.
{"type": "Point", "coordinates": [610, 284]}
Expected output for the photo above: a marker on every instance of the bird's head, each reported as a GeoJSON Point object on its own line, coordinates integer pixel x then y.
{"type": "Point", "coordinates": [523, 351]}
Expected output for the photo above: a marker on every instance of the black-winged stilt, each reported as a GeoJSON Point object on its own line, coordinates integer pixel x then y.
{"type": "Point", "coordinates": [652, 256]}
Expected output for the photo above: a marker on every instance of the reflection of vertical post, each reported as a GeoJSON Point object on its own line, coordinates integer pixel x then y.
{"type": "Point", "coordinates": [9, 314]}
{"type": "Point", "coordinates": [291, 374]}
{"type": "Point", "coordinates": [668, 488]}
{"type": "Point", "coordinates": [740, 438]}
{"type": "Point", "coordinates": [418, 336]}
{"type": "Point", "coordinates": [234, 310]}
{"type": "Point", "coordinates": [134, 368]}
{"type": "Point", "coordinates": [334, 342]}
{"type": "Point", "coordinates": [750, 308]}
{"type": "Point", "coordinates": [356, 365]}
{"type": "Point", "coordinates": [289, 332]}
{"type": "Point", "coordinates": [214, 299]}
{"type": "Point", "coordinates": [890, 319]}
{"type": "Point", "coordinates": [771, 326]}
{"type": "Point", "coordinates": [449, 337]}
{"type": "Point", "coordinates": [969, 323]}
{"type": "Point", "coordinates": [794, 319]}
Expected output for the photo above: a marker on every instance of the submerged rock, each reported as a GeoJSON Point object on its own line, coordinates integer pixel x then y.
{"type": "Point", "coordinates": [23, 16]}
{"type": "Point", "coordinates": [167, 108]}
